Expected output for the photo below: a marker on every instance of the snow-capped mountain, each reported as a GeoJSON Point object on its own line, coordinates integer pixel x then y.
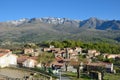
{"type": "Point", "coordinates": [49, 20]}
{"type": "Point", "coordinates": [93, 23]}
{"type": "Point", "coordinates": [18, 22]}
{"type": "Point", "coordinates": [49, 28]}
{"type": "Point", "coordinates": [53, 20]}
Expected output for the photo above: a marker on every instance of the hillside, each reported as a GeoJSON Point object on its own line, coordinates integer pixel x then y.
{"type": "Point", "coordinates": [43, 29]}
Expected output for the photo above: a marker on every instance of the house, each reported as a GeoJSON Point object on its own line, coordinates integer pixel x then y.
{"type": "Point", "coordinates": [32, 52]}
{"type": "Point", "coordinates": [51, 46]}
{"type": "Point", "coordinates": [93, 53]}
{"type": "Point", "coordinates": [30, 63]}
{"type": "Point", "coordinates": [28, 51]}
{"type": "Point", "coordinates": [69, 67]}
{"type": "Point", "coordinates": [55, 50]}
{"type": "Point", "coordinates": [61, 53]}
{"type": "Point", "coordinates": [74, 55]}
{"type": "Point", "coordinates": [7, 59]}
{"type": "Point", "coordinates": [46, 49]}
{"type": "Point", "coordinates": [56, 65]}
{"type": "Point", "coordinates": [4, 50]}
{"type": "Point", "coordinates": [68, 53]}
{"type": "Point", "coordinates": [59, 59]}
{"type": "Point", "coordinates": [78, 50]}
{"type": "Point", "coordinates": [94, 66]}
{"type": "Point", "coordinates": [51, 49]}
{"type": "Point", "coordinates": [27, 61]}
{"type": "Point", "coordinates": [97, 53]}
{"type": "Point", "coordinates": [69, 50]}
{"type": "Point", "coordinates": [21, 59]}
{"type": "Point", "coordinates": [108, 56]}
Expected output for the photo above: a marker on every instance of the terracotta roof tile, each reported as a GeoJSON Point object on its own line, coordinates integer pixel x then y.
{"type": "Point", "coordinates": [34, 58]}
{"type": "Point", "coordinates": [2, 54]}
{"type": "Point", "coordinates": [22, 59]}
{"type": "Point", "coordinates": [99, 64]}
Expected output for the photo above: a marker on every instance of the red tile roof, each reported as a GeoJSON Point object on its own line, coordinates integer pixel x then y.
{"type": "Point", "coordinates": [2, 54]}
{"type": "Point", "coordinates": [34, 58]}
{"type": "Point", "coordinates": [59, 58]}
{"type": "Point", "coordinates": [22, 59]}
{"type": "Point", "coordinates": [99, 64]}
{"type": "Point", "coordinates": [4, 50]}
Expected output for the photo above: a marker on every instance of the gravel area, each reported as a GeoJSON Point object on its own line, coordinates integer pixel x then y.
{"type": "Point", "coordinates": [20, 74]}
{"type": "Point", "coordinates": [13, 73]}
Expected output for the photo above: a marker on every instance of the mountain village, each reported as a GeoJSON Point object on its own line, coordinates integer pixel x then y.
{"type": "Point", "coordinates": [76, 60]}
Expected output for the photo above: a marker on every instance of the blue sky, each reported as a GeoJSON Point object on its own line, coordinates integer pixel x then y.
{"type": "Point", "coordinates": [73, 9]}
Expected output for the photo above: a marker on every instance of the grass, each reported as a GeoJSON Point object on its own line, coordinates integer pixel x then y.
{"type": "Point", "coordinates": [109, 76]}
{"type": "Point", "coordinates": [73, 76]}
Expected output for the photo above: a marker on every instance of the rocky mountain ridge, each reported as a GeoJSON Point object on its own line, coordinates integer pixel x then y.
{"type": "Point", "coordinates": [52, 28]}
{"type": "Point", "coordinates": [93, 23]}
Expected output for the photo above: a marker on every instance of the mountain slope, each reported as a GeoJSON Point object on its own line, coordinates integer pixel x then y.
{"type": "Point", "coordinates": [43, 29]}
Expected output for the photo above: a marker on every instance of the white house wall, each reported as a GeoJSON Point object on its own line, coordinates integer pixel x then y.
{"type": "Point", "coordinates": [7, 60]}
{"type": "Point", "coordinates": [29, 63]}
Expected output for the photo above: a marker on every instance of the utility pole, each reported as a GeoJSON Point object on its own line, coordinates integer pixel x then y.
{"type": "Point", "coordinates": [60, 74]}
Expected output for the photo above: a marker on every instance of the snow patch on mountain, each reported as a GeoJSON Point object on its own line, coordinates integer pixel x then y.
{"type": "Point", "coordinates": [18, 22]}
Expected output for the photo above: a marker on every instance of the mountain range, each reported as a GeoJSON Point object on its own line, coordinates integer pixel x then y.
{"type": "Point", "coordinates": [52, 28]}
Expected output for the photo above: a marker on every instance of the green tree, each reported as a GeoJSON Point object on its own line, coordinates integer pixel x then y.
{"type": "Point", "coordinates": [45, 58]}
